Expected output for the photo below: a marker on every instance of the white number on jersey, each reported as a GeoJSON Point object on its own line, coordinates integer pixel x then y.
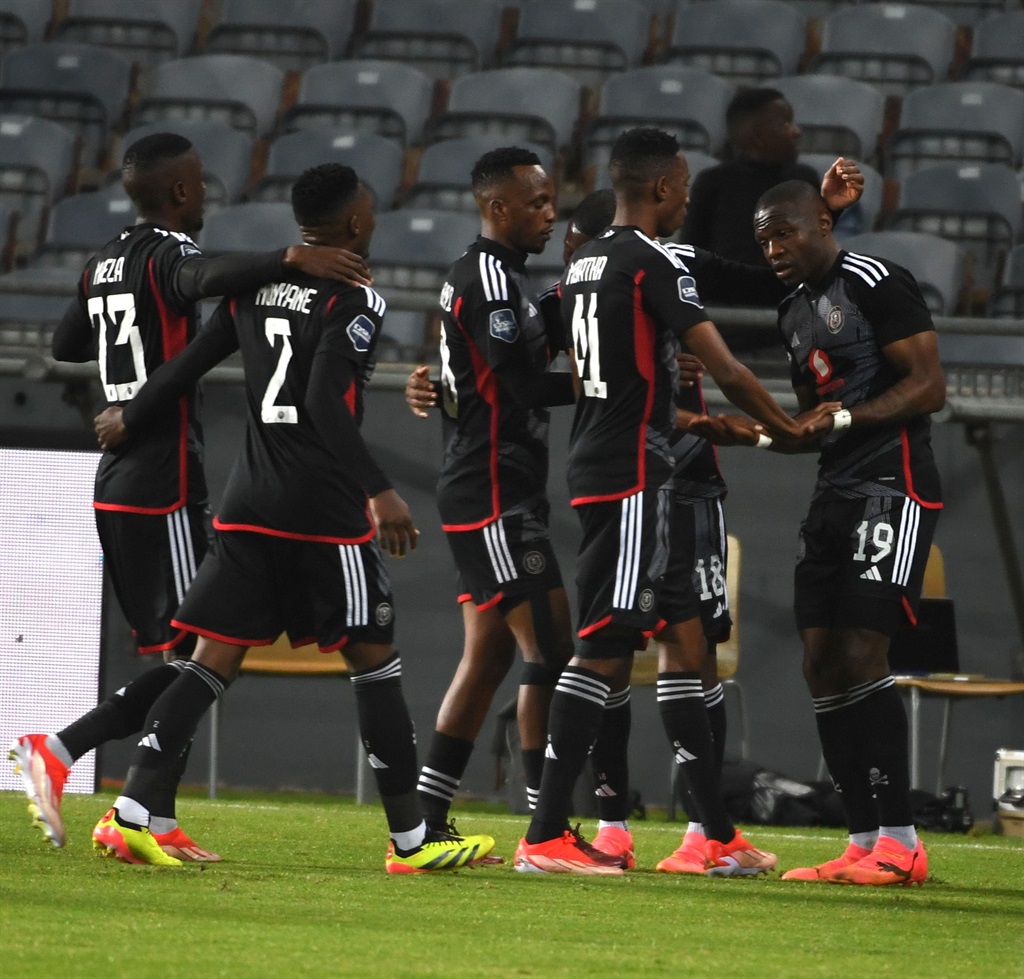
{"type": "Point", "coordinates": [105, 313]}
{"type": "Point", "coordinates": [881, 537]}
{"type": "Point", "coordinates": [271, 413]}
{"type": "Point", "coordinates": [586, 343]}
{"type": "Point", "coordinates": [449, 393]}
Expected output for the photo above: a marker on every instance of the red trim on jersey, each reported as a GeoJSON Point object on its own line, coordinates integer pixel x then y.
{"type": "Point", "coordinates": [230, 640]}
{"type": "Point", "coordinates": [593, 628]}
{"type": "Point", "coordinates": [611, 498]}
{"type": "Point", "coordinates": [909, 611]}
{"type": "Point", "coordinates": [643, 348]}
{"type": "Point", "coordinates": [464, 597]}
{"type": "Point", "coordinates": [85, 281]}
{"type": "Point", "coordinates": [909, 479]}
{"type": "Point", "coordinates": [648, 634]}
{"type": "Point", "coordinates": [164, 646]}
{"type": "Point", "coordinates": [148, 511]}
{"type": "Point", "coordinates": [290, 535]}
{"type": "Point", "coordinates": [232, 303]}
{"type": "Point", "coordinates": [330, 302]}
{"type": "Point", "coordinates": [333, 648]}
{"type": "Point", "coordinates": [491, 602]}
{"type": "Point", "coordinates": [298, 643]}
{"type": "Point", "coordinates": [350, 398]}
{"type": "Point", "coordinates": [174, 334]}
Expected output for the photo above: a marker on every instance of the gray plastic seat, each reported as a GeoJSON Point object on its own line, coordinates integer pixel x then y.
{"type": "Point", "coordinates": [243, 92]}
{"type": "Point", "coordinates": [378, 161]}
{"type": "Point", "coordinates": [957, 122]}
{"type": "Point", "coordinates": [893, 46]}
{"type": "Point", "coordinates": [964, 12]}
{"type": "Point", "coordinates": [27, 320]}
{"type": "Point", "coordinates": [256, 226]}
{"type": "Point", "coordinates": [413, 249]}
{"type": "Point", "coordinates": [37, 162]}
{"type": "Point", "coordinates": [587, 40]}
{"type": "Point", "coordinates": [687, 102]}
{"type": "Point", "coordinates": [861, 217]}
{"type": "Point", "coordinates": [837, 115]}
{"type": "Point", "coordinates": [1008, 298]}
{"type": "Point", "coordinates": [146, 31]}
{"type": "Point", "coordinates": [22, 22]}
{"type": "Point", "coordinates": [443, 181]}
{"type": "Point", "coordinates": [80, 225]}
{"type": "Point", "coordinates": [404, 336]}
{"type": "Point", "coordinates": [997, 50]}
{"type": "Point", "coordinates": [977, 205]}
{"type": "Point", "coordinates": [442, 38]}
{"type": "Point", "coordinates": [538, 105]}
{"type": "Point", "coordinates": [82, 87]}
{"type": "Point", "coordinates": [749, 41]}
{"type": "Point", "coordinates": [226, 154]}
{"type": "Point", "coordinates": [382, 97]}
{"type": "Point", "coordinates": [937, 264]}
{"type": "Point", "coordinates": [292, 34]}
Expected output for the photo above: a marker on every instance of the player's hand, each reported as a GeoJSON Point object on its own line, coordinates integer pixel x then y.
{"type": "Point", "coordinates": [109, 428]}
{"type": "Point", "coordinates": [691, 370]}
{"type": "Point", "coordinates": [395, 529]}
{"type": "Point", "coordinates": [842, 184]}
{"type": "Point", "coordinates": [420, 395]}
{"type": "Point", "coordinates": [327, 262]}
{"type": "Point", "coordinates": [727, 430]}
{"type": "Point", "coordinates": [815, 422]}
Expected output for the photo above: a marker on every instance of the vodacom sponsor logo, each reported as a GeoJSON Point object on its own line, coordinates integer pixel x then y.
{"type": "Point", "coordinates": [821, 365]}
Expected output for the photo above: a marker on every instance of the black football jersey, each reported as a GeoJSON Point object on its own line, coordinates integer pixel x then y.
{"type": "Point", "coordinates": [834, 334]}
{"type": "Point", "coordinates": [127, 300]}
{"type": "Point", "coordinates": [493, 346]}
{"type": "Point", "coordinates": [626, 300]}
{"type": "Point", "coordinates": [286, 480]}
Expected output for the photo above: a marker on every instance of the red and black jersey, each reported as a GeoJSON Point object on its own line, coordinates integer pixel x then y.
{"type": "Point", "coordinates": [626, 300]}
{"type": "Point", "coordinates": [308, 348]}
{"type": "Point", "coordinates": [835, 334]}
{"type": "Point", "coordinates": [130, 315]}
{"type": "Point", "coordinates": [493, 348]}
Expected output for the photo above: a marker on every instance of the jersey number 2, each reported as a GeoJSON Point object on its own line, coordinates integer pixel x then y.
{"type": "Point", "coordinates": [118, 311]}
{"type": "Point", "coordinates": [271, 413]}
{"type": "Point", "coordinates": [585, 340]}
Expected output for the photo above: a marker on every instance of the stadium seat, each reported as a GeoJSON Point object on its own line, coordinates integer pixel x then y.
{"type": "Point", "coordinates": [27, 321]}
{"type": "Point", "coordinates": [243, 92]}
{"type": "Point", "coordinates": [292, 34]}
{"type": "Point", "coordinates": [8, 222]}
{"type": "Point", "coordinates": [892, 46]}
{"type": "Point", "coordinates": [997, 51]}
{"type": "Point", "coordinates": [82, 87]}
{"type": "Point", "coordinates": [937, 264]}
{"type": "Point", "coordinates": [443, 180]}
{"type": "Point", "coordinates": [510, 105]}
{"type": "Point", "coordinates": [442, 38]}
{"type": "Point", "coordinates": [748, 41]}
{"type": "Point", "coordinates": [404, 336]}
{"type": "Point", "coordinates": [687, 102]}
{"type": "Point", "coordinates": [964, 12]}
{"type": "Point", "coordinates": [256, 226]}
{"type": "Point", "coordinates": [22, 22]}
{"type": "Point", "coordinates": [414, 249]}
{"type": "Point", "coordinates": [382, 97]}
{"type": "Point", "coordinates": [37, 164]}
{"type": "Point", "coordinates": [588, 39]}
{"type": "Point", "coordinates": [1008, 298]}
{"type": "Point", "coordinates": [80, 225]}
{"type": "Point", "coordinates": [957, 122]}
{"type": "Point", "coordinates": [378, 161]}
{"type": "Point", "coordinates": [840, 116]}
{"type": "Point", "coordinates": [977, 205]}
{"type": "Point", "coordinates": [145, 31]}
{"type": "Point", "coordinates": [226, 154]}
{"type": "Point", "coordinates": [860, 218]}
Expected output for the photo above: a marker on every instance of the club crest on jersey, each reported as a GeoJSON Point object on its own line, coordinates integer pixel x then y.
{"type": "Point", "coordinates": [383, 614]}
{"type": "Point", "coordinates": [503, 325]}
{"type": "Point", "coordinates": [646, 600]}
{"type": "Point", "coordinates": [835, 319]}
{"type": "Point", "coordinates": [360, 332]}
{"type": "Point", "coordinates": [534, 562]}
{"type": "Point", "coordinates": [688, 291]}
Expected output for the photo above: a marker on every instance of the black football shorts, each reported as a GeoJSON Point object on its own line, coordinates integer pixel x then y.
{"type": "Point", "coordinates": [861, 562]}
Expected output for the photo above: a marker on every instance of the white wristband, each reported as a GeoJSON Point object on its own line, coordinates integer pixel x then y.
{"type": "Point", "coordinates": [763, 442]}
{"type": "Point", "coordinates": [841, 420]}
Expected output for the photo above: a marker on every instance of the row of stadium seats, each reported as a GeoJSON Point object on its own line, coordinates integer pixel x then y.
{"type": "Point", "coordinates": [747, 39]}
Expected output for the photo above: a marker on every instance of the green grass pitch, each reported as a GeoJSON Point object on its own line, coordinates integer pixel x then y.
{"type": "Point", "coordinates": [303, 892]}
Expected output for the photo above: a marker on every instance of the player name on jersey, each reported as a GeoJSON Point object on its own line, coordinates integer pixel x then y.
{"type": "Point", "coordinates": [286, 294]}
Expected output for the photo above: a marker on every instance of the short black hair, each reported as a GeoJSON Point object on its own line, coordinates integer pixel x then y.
{"type": "Point", "coordinates": [640, 155]}
{"type": "Point", "coordinates": [497, 165]}
{"type": "Point", "coordinates": [789, 192]}
{"type": "Point", "coordinates": [594, 213]}
{"type": "Point", "coordinates": [748, 102]}
{"type": "Point", "coordinates": [322, 191]}
{"type": "Point", "coordinates": [145, 157]}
